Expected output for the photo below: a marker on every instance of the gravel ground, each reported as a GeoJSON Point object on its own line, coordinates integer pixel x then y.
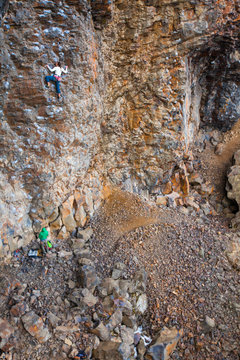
{"type": "Point", "coordinates": [47, 283]}
{"type": "Point", "coordinates": [189, 278]}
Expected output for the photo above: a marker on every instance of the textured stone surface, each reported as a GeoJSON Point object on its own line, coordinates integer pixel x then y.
{"type": "Point", "coordinates": [4, 4]}
{"type": "Point", "coordinates": [107, 350]}
{"type": "Point", "coordinates": [67, 214]}
{"type": "Point", "coordinates": [88, 298]}
{"type": "Point", "coordinates": [115, 319]}
{"type": "Point", "coordinates": [165, 344]}
{"type": "Point", "coordinates": [158, 72]}
{"type": "Point", "coordinates": [142, 304]}
{"type": "Point", "coordinates": [48, 146]}
{"type": "Point", "coordinates": [88, 277]}
{"type": "Point", "coordinates": [233, 250]}
{"type": "Point", "coordinates": [101, 331]}
{"type": "Point", "coordinates": [6, 330]}
{"type": "Point", "coordinates": [233, 191]}
{"type": "Point", "coordinates": [35, 326]}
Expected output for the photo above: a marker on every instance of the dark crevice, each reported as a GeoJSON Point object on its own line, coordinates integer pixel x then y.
{"type": "Point", "coordinates": [4, 5]}
{"type": "Point", "coordinates": [217, 66]}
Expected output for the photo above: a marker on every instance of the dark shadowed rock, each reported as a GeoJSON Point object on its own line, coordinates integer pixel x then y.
{"type": "Point", "coordinates": [4, 4]}
{"type": "Point", "coordinates": [88, 277]}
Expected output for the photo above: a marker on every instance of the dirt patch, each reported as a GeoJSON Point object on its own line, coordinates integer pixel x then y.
{"type": "Point", "coordinates": [123, 212]}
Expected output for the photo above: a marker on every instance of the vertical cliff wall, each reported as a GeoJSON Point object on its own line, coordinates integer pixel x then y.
{"type": "Point", "coordinates": [46, 145]}
{"type": "Point", "coordinates": [143, 76]}
{"type": "Point", "coordinates": [165, 60]}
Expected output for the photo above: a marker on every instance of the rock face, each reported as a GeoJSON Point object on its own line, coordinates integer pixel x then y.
{"type": "Point", "coordinates": [233, 187]}
{"type": "Point", "coordinates": [143, 76]}
{"type": "Point", "coordinates": [160, 82]}
{"type": "Point", "coordinates": [48, 145]}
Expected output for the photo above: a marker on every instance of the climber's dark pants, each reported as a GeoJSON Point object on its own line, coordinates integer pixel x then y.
{"type": "Point", "coordinates": [52, 78]}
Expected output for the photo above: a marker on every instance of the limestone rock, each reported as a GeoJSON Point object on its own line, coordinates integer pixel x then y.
{"type": "Point", "coordinates": [18, 309]}
{"type": "Point", "coordinates": [210, 322]}
{"type": "Point", "coordinates": [77, 298]}
{"type": "Point", "coordinates": [167, 188]}
{"type": "Point", "coordinates": [126, 350]}
{"type": "Point", "coordinates": [233, 251]}
{"type": "Point", "coordinates": [115, 319]}
{"type": "Point", "coordinates": [141, 349]}
{"type": "Point", "coordinates": [101, 331]}
{"type": "Point", "coordinates": [118, 270]}
{"type": "Point", "coordinates": [84, 253]}
{"type": "Point", "coordinates": [67, 214]}
{"type": "Point", "coordinates": [193, 204]}
{"type": "Point", "coordinates": [65, 254]}
{"type": "Point", "coordinates": [107, 286]}
{"type": "Point", "coordinates": [78, 244]}
{"type": "Point", "coordinates": [88, 277]}
{"type": "Point", "coordinates": [88, 298]}
{"type": "Point", "coordinates": [107, 350]}
{"type": "Point", "coordinates": [127, 347]}
{"type": "Point", "coordinates": [56, 224]}
{"type": "Point", "coordinates": [85, 234]}
{"type": "Point", "coordinates": [63, 234]}
{"type": "Point", "coordinates": [234, 192]}
{"type": "Point", "coordinates": [53, 319]}
{"type": "Point", "coordinates": [80, 214]}
{"type": "Point", "coordinates": [108, 304]}
{"type": "Point", "coordinates": [164, 344]}
{"type": "Point", "coordinates": [54, 215]}
{"type": "Point", "coordinates": [130, 321]}
{"type": "Point", "coordinates": [6, 330]}
{"type": "Point", "coordinates": [142, 304]}
{"type": "Point", "coordinates": [125, 305]}
{"type": "Point", "coordinates": [161, 200]}
{"type": "Point", "coordinates": [127, 335]}
{"type": "Point", "coordinates": [140, 281]}
{"type": "Point", "coordinates": [84, 261]}
{"type": "Point", "coordinates": [35, 326]}
{"type": "Point", "coordinates": [124, 286]}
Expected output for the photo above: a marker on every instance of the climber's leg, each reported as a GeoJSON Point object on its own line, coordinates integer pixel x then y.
{"type": "Point", "coordinates": [49, 78]}
{"type": "Point", "coordinates": [58, 88]}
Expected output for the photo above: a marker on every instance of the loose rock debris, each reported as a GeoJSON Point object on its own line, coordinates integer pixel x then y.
{"type": "Point", "coordinates": [84, 299]}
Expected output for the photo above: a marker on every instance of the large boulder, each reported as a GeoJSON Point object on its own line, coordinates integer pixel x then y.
{"type": "Point", "coordinates": [233, 250]}
{"type": "Point", "coordinates": [164, 344]}
{"type": "Point", "coordinates": [233, 187]}
{"type": "Point", "coordinates": [35, 326]}
{"type": "Point", "coordinates": [107, 350]}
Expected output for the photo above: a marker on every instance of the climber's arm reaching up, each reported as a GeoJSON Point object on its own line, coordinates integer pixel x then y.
{"type": "Point", "coordinates": [65, 70]}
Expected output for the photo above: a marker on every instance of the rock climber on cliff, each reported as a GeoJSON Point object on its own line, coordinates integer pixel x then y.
{"type": "Point", "coordinates": [56, 77]}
